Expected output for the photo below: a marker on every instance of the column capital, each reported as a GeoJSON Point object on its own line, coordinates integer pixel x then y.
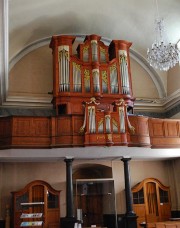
{"type": "Point", "coordinates": [69, 159]}
{"type": "Point", "coordinates": [126, 159]}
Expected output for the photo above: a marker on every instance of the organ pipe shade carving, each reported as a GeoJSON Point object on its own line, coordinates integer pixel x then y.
{"type": "Point", "coordinates": [86, 54]}
{"type": "Point", "coordinates": [87, 80]}
{"type": "Point", "coordinates": [76, 77]}
{"type": "Point", "coordinates": [64, 81]}
{"type": "Point", "coordinates": [114, 79]}
{"type": "Point", "coordinates": [114, 126]}
{"type": "Point", "coordinates": [101, 126]}
{"type": "Point", "coordinates": [102, 55]}
{"type": "Point", "coordinates": [104, 81]}
{"type": "Point", "coordinates": [124, 71]}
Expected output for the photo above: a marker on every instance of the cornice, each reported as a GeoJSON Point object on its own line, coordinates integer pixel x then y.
{"type": "Point", "coordinates": [141, 104]}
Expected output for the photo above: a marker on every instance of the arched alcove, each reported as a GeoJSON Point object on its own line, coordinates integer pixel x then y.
{"type": "Point", "coordinates": [92, 171]}
{"type": "Point", "coordinates": [94, 195]}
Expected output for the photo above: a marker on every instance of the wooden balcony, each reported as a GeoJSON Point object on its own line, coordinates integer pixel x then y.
{"type": "Point", "coordinates": [64, 131]}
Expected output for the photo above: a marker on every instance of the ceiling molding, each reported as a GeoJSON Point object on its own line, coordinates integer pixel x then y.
{"type": "Point", "coordinates": [172, 100]}
{"type": "Point", "coordinates": [161, 105]}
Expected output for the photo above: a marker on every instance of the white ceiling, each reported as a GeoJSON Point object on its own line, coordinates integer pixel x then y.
{"type": "Point", "coordinates": [87, 153]}
{"type": "Point", "coordinates": [131, 20]}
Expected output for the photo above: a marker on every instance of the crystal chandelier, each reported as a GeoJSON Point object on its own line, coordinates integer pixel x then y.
{"type": "Point", "coordinates": [162, 55]}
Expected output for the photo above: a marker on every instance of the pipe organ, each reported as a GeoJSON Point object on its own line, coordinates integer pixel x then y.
{"type": "Point", "coordinates": [92, 97]}
{"type": "Point", "coordinates": [93, 84]}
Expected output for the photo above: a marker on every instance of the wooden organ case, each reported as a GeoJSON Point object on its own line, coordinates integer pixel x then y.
{"type": "Point", "coordinates": [36, 198]}
{"type": "Point", "coordinates": [92, 91]}
{"type": "Point", "coordinates": [151, 201]}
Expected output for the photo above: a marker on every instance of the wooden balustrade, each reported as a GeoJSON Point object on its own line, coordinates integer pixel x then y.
{"type": "Point", "coordinates": [164, 133]}
{"type": "Point", "coordinates": [64, 131]}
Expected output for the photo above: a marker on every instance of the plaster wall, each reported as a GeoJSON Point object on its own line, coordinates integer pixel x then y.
{"type": "Point", "coordinates": [142, 84]}
{"type": "Point", "coordinates": [14, 176]}
{"type": "Point", "coordinates": [33, 76]}
{"type": "Point", "coordinates": [173, 82]}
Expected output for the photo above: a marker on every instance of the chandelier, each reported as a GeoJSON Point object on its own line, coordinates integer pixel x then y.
{"type": "Point", "coordinates": [162, 55]}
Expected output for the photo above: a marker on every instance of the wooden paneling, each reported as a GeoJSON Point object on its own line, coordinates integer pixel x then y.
{"type": "Point", "coordinates": [37, 191]}
{"type": "Point", "coordinates": [53, 218]}
{"type": "Point", "coordinates": [5, 131]}
{"type": "Point", "coordinates": [164, 133]}
{"type": "Point", "coordinates": [77, 108]}
{"type": "Point", "coordinates": [139, 210]}
{"type": "Point", "coordinates": [31, 126]}
{"type": "Point", "coordinates": [64, 126]}
{"type": "Point", "coordinates": [165, 211]}
{"type": "Point", "coordinates": [77, 122]}
{"type": "Point", "coordinates": [5, 126]}
{"type": "Point", "coordinates": [64, 131]}
{"type": "Point", "coordinates": [172, 128]}
{"type": "Point", "coordinates": [140, 137]}
{"type": "Point", "coordinates": [64, 140]}
{"type": "Point", "coordinates": [151, 201]}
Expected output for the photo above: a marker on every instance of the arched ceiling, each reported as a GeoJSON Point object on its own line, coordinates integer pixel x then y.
{"type": "Point", "coordinates": [132, 20]}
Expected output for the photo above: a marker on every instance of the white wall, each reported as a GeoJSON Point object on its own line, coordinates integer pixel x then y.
{"type": "Point", "coordinates": [16, 175]}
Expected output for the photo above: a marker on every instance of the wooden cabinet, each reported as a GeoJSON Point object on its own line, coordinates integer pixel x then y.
{"type": "Point", "coordinates": [36, 198]}
{"type": "Point", "coordinates": [32, 219]}
{"type": "Point", "coordinates": [151, 201]}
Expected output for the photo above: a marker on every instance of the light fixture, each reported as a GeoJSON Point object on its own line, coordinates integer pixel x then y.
{"type": "Point", "coordinates": [162, 55]}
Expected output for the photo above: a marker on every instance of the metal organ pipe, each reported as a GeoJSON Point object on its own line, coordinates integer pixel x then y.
{"type": "Point", "coordinates": [108, 123]}
{"type": "Point", "coordinates": [122, 120]}
{"type": "Point", "coordinates": [124, 71]}
{"type": "Point", "coordinates": [64, 68]}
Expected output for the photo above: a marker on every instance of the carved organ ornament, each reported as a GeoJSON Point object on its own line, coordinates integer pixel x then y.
{"type": "Point", "coordinates": [97, 81]}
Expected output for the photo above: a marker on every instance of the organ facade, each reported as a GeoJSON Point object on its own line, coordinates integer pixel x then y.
{"type": "Point", "coordinates": [93, 102]}
{"type": "Point", "coordinates": [94, 85]}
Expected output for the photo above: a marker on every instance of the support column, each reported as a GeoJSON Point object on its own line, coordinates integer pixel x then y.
{"type": "Point", "coordinates": [4, 46]}
{"type": "Point", "coordinates": [69, 220]}
{"type": "Point", "coordinates": [130, 217]}
{"type": "Point", "coordinates": [69, 188]}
